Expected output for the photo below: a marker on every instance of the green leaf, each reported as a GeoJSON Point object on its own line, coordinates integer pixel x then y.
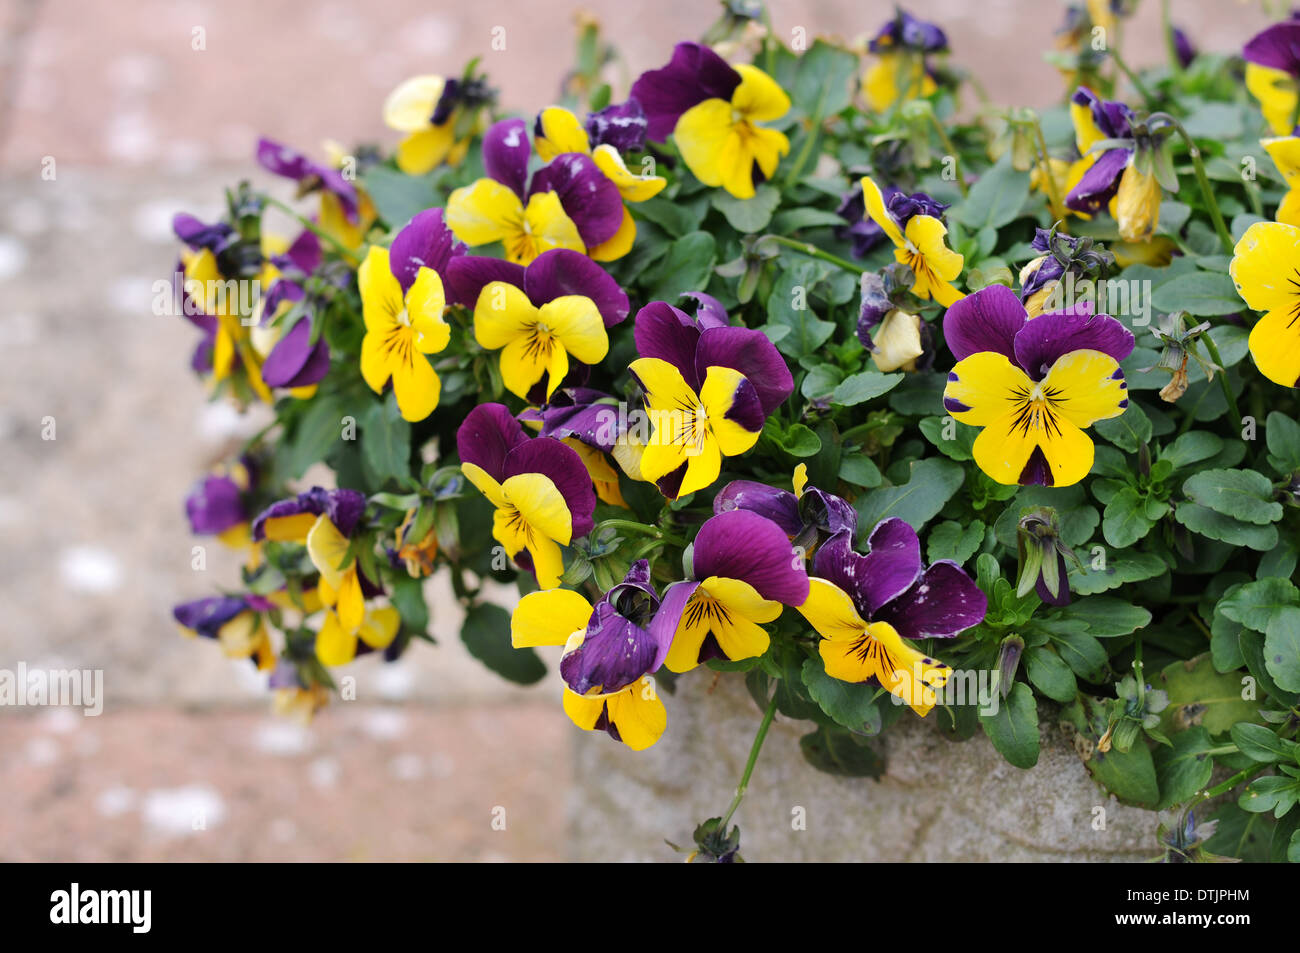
{"type": "Point", "coordinates": [1184, 768]}
{"type": "Point", "coordinates": [951, 540]}
{"type": "Point", "coordinates": [865, 386]}
{"type": "Point", "coordinates": [676, 218]}
{"type": "Point", "coordinates": [1013, 729]}
{"type": "Point", "coordinates": [748, 216]}
{"type": "Point", "coordinates": [1191, 447]}
{"type": "Point", "coordinates": [1106, 616]}
{"type": "Point", "coordinates": [1283, 437]}
{"type": "Point", "coordinates": [793, 219]}
{"type": "Point", "coordinates": [687, 267]}
{"type": "Point", "coordinates": [852, 705]}
{"type": "Point", "coordinates": [1254, 604]}
{"type": "Point", "coordinates": [1120, 569]}
{"type": "Point", "coordinates": [1129, 775]}
{"type": "Point", "coordinates": [1080, 650]}
{"type": "Point", "coordinates": [1201, 519]}
{"type": "Point", "coordinates": [1128, 431]}
{"type": "Point", "coordinates": [1050, 675]}
{"type": "Point", "coordinates": [1198, 695]}
{"type": "Point", "coordinates": [385, 441]}
{"type": "Point", "coordinates": [1200, 293]}
{"type": "Point", "coordinates": [317, 430]}
{"type": "Point", "coordinates": [1282, 648]}
{"type": "Point", "coordinates": [1275, 793]}
{"type": "Point", "coordinates": [804, 333]}
{"type": "Point", "coordinates": [399, 197]}
{"type": "Point", "coordinates": [860, 470]}
{"type": "Point", "coordinates": [838, 751]}
{"type": "Point", "coordinates": [407, 595]}
{"type": "Point", "coordinates": [486, 633]}
{"type": "Point", "coordinates": [822, 82]}
{"type": "Point", "coordinates": [959, 446]}
{"type": "Point", "coordinates": [1260, 744]}
{"type": "Point", "coordinates": [995, 199]}
{"type": "Point", "coordinates": [1245, 495]}
{"type": "Point", "coordinates": [798, 440]}
{"type": "Point", "coordinates": [932, 482]}
{"type": "Point", "coordinates": [1125, 520]}
{"type": "Point", "coordinates": [820, 382]}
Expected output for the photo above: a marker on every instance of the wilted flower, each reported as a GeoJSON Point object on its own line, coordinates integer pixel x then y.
{"type": "Point", "coordinates": [1063, 254]}
{"type": "Point", "coordinates": [808, 516]}
{"type": "Point", "coordinates": [895, 338]}
{"type": "Point", "coordinates": [1177, 346]}
{"type": "Point", "coordinates": [1042, 556]}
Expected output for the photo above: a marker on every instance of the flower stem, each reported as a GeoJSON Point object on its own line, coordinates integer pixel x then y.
{"type": "Point", "coordinates": [814, 252]}
{"type": "Point", "coordinates": [1132, 78]}
{"type": "Point", "coordinates": [633, 526]}
{"type": "Point", "coordinates": [754, 749]}
{"type": "Point", "coordinates": [1225, 236]}
{"type": "Point", "coordinates": [950, 150]}
{"type": "Point", "coordinates": [1223, 377]}
{"type": "Point", "coordinates": [311, 227]}
{"type": "Point", "coordinates": [1045, 163]}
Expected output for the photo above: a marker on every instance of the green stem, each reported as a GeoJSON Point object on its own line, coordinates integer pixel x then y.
{"type": "Point", "coordinates": [1132, 78]}
{"type": "Point", "coordinates": [802, 158]}
{"type": "Point", "coordinates": [951, 150]}
{"type": "Point", "coordinates": [1232, 782]}
{"type": "Point", "coordinates": [1222, 749]}
{"type": "Point", "coordinates": [754, 749]}
{"type": "Point", "coordinates": [634, 527]}
{"type": "Point", "coordinates": [1225, 237]}
{"type": "Point", "coordinates": [1171, 45]}
{"type": "Point", "coordinates": [1223, 378]}
{"type": "Point", "coordinates": [814, 252]}
{"type": "Point", "coordinates": [311, 227]}
{"type": "Point", "coordinates": [1045, 163]}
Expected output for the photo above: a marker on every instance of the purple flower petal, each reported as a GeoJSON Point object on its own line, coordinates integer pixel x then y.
{"type": "Point", "coordinates": [663, 627]}
{"type": "Point", "coordinates": [197, 234]}
{"type": "Point", "coordinates": [987, 320]}
{"type": "Point", "coordinates": [214, 505]}
{"type": "Point", "coordinates": [746, 407]}
{"type": "Point", "coordinates": [564, 468]}
{"type": "Point", "coordinates": [295, 361]}
{"type": "Point", "coordinates": [563, 271]}
{"type": "Point", "coordinates": [588, 415]}
{"type": "Point", "coordinates": [741, 545]}
{"type": "Point", "coordinates": [709, 312]}
{"type": "Point", "coordinates": [343, 507]}
{"type": "Point", "coordinates": [831, 514]}
{"type": "Point", "coordinates": [467, 275]}
{"type": "Point", "coordinates": [291, 164]}
{"type": "Point", "coordinates": [304, 254]}
{"type": "Point", "coordinates": [943, 602]}
{"type": "Point", "coordinates": [426, 242]}
{"type": "Point", "coordinates": [207, 616]}
{"type": "Point", "coordinates": [664, 332]}
{"type": "Point", "coordinates": [751, 352]}
{"type": "Point", "coordinates": [1044, 339]}
{"type": "Point", "coordinates": [1112, 117]}
{"type": "Point", "coordinates": [487, 435]}
{"type": "Point", "coordinates": [505, 154]}
{"type": "Point", "coordinates": [622, 126]}
{"type": "Point", "coordinates": [614, 654]}
{"type": "Point", "coordinates": [1099, 183]}
{"type": "Point", "coordinates": [1277, 47]}
{"type": "Point", "coordinates": [779, 506]}
{"type": "Point", "coordinates": [587, 194]}
{"type": "Point", "coordinates": [694, 74]}
{"type": "Point", "coordinates": [873, 579]}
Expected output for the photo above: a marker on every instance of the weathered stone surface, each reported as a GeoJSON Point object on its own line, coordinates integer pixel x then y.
{"type": "Point", "coordinates": [938, 801]}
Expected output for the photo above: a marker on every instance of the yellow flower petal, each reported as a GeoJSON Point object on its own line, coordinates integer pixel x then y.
{"type": "Point", "coordinates": [546, 226]}
{"type": "Point", "coordinates": [540, 505]}
{"type": "Point", "coordinates": [381, 293]}
{"type": "Point", "coordinates": [986, 384]}
{"type": "Point", "coordinates": [1263, 264]}
{"type": "Point", "coordinates": [548, 562]}
{"type": "Point", "coordinates": [831, 612]}
{"type": "Point", "coordinates": [560, 132]}
{"type": "Point", "coordinates": [485, 484]}
{"type": "Point", "coordinates": [425, 303]}
{"type": "Point", "coordinates": [548, 618]}
{"type": "Point", "coordinates": [334, 645]}
{"type": "Point", "coordinates": [874, 200]}
{"type": "Point", "coordinates": [1086, 387]}
{"type": "Point", "coordinates": [416, 385]}
{"type": "Point", "coordinates": [328, 550]}
{"type": "Point", "coordinates": [410, 106]}
{"type": "Point", "coordinates": [758, 98]}
{"type": "Point", "coordinates": [502, 314]}
{"type": "Point", "coordinates": [575, 322]}
{"type": "Point", "coordinates": [633, 188]}
{"type": "Point", "coordinates": [1276, 92]}
{"type": "Point", "coordinates": [422, 152]}
{"type": "Point", "coordinates": [716, 396]}
{"type": "Point", "coordinates": [637, 714]}
{"type": "Point", "coordinates": [485, 212]}
{"type": "Point", "coordinates": [1275, 345]}
{"type": "Point", "coordinates": [380, 627]}
{"type": "Point", "coordinates": [618, 244]}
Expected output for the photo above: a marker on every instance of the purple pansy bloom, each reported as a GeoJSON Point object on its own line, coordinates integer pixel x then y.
{"type": "Point", "coordinates": [295, 361]}
{"type": "Point", "coordinates": [743, 572]}
{"type": "Point", "coordinates": [907, 32]}
{"type": "Point", "coordinates": [993, 319]}
{"type": "Point", "coordinates": [808, 517]}
{"type": "Point", "coordinates": [527, 479]}
{"type": "Point", "coordinates": [291, 164]}
{"type": "Point", "coordinates": [1277, 47]}
{"type": "Point", "coordinates": [695, 73]}
{"type": "Point", "coordinates": [1111, 121]}
{"type": "Point", "coordinates": [622, 126]}
{"type": "Point", "coordinates": [889, 583]}
{"type": "Point", "coordinates": [586, 194]}
{"type": "Point", "coordinates": [588, 415]}
{"type": "Point", "coordinates": [216, 503]}
{"type": "Point", "coordinates": [1183, 48]}
{"type": "Point", "coordinates": [616, 649]}
{"type": "Point", "coordinates": [552, 274]}
{"type": "Point", "coordinates": [292, 518]}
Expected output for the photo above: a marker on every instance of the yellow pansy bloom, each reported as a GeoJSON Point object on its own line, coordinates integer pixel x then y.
{"type": "Point", "coordinates": [921, 245]}
{"type": "Point", "coordinates": [488, 211]}
{"type": "Point", "coordinates": [1264, 269]}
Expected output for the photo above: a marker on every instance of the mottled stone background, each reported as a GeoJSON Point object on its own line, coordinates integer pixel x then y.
{"type": "Point", "coordinates": [93, 544]}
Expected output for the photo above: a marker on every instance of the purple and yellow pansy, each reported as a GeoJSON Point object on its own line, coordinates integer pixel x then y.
{"type": "Point", "coordinates": [541, 316]}
{"type": "Point", "coordinates": [865, 607]}
{"type": "Point", "coordinates": [744, 572]}
{"type": "Point", "coordinates": [708, 388]}
{"type": "Point", "coordinates": [1112, 178]}
{"type": "Point", "coordinates": [808, 516]}
{"type": "Point", "coordinates": [568, 203]}
{"type": "Point", "coordinates": [540, 489]}
{"type": "Point", "coordinates": [346, 212]}
{"type": "Point", "coordinates": [915, 226]}
{"type": "Point", "coordinates": [1273, 73]}
{"type": "Point", "coordinates": [900, 71]}
{"type": "Point", "coordinates": [402, 301]}
{"type": "Point", "coordinates": [609, 655]}
{"type": "Point", "coordinates": [712, 111]}
{"type": "Point", "coordinates": [1033, 385]}
{"type": "Point", "coordinates": [430, 110]}
{"type": "Point", "coordinates": [235, 622]}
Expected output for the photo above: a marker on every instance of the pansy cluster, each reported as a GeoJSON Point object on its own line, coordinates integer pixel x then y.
{"type": "Point", "coordinates": [774, 368]}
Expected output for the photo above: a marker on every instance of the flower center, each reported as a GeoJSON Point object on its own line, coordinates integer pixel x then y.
{"type": "Point", "coordinates": [1036, 409]}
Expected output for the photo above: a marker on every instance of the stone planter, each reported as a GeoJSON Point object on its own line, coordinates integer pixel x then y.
{"type": "Point", "coordinates": [938, 801]}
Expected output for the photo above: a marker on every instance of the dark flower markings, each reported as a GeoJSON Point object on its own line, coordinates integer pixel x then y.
{"type": "Point", "coordinates": [704, 608]}
{"type": "Point", "coordinates": [1295, 308]}
{"type": "Point", "coordinates": [1036, 413]}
